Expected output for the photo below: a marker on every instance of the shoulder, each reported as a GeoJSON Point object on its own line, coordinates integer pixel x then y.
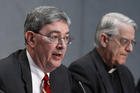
{"type": "Point", "coordinates": [84, 64]}
{"type": "Point", "coordinates": [11, 56]}
{"type": "Point", "coordinates": [124, 69]}
{"type": "Point", "coordinates": [125, 72]}
{"type": "Point", "coordinates": [84, 68]}
{"type": "Point", "coordinates": [9, 63]}
{"type": "Point", "coordinates": [9, 59]}
{"type": "Point", "coordinates": [84, 61]}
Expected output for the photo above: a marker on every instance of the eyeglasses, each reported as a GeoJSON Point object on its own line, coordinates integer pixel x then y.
{"type": "Point", "coordinates": [56, 37]}
{"type": "Point", "coordinates": [124, 41]}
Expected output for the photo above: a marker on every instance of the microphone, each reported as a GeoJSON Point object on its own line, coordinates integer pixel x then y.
{"type": "Point", "coordinates": [81, 85]}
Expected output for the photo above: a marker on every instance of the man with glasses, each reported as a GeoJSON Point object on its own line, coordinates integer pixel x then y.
{"type": "Point", "coordinates": [38, 68]}
{"type": "Point", "coordinates": [102, 70]}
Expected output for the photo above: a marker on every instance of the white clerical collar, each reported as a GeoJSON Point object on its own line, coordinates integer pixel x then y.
{"type": "Point", "coordinates": [111, 70]}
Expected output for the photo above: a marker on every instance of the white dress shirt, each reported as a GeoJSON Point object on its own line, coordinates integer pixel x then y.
{"type": "Point", "coordinates": [37, 75]}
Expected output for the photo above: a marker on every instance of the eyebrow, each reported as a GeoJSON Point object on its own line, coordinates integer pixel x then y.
{"type": "Point", "coordinates": [57, 32]}
{"type": "Point", "coordinates": [127, 38]}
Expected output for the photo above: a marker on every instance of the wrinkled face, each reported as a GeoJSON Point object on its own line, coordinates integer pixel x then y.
{"type": "Point", "coordinates": [120, 45]}
{"type": "Point", "coordinates": [49, 50]}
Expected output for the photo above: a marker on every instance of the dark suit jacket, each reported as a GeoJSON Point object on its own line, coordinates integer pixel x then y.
{"type": "Point", "coordinates": [15, 75]}
{"type": "Point", "coordinates": [91, 72]}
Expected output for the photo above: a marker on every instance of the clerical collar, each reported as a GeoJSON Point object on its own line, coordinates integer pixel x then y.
{"type": "Point", "coordinates": [111, 70]}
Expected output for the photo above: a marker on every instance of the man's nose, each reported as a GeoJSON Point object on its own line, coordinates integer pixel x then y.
{"type": "Point", "coordinates": [129, 47]}
{"type": "Point", "coordinates": [61, 44]}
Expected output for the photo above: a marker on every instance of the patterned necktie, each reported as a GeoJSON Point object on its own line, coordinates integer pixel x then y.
{"type": "Point", "coordinates": [46, 84]}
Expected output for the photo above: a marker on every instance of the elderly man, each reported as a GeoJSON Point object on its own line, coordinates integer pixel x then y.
{"type": "Point", "coordinates": [38, 68]}
{"type": "Point", "coordinates": [102, 70]}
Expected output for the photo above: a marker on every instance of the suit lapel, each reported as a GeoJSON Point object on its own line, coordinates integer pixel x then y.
{"type": "Point", "coordinates": [102, 72]}
{"type": "Point", "coordinates": [52, 82]}
{"type": "Point", "coordinates": [25, 70]}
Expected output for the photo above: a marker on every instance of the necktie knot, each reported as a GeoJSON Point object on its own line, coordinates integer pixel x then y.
{"type": "Point", "coordinates": [46, 78]}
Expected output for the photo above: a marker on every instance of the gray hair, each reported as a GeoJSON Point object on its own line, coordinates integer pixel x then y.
{"type": "Point", "coordinates": [109, 25]}
{"type": "Point", "coordinates": [42, 15]}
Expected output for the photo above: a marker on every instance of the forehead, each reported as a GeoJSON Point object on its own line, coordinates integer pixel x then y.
{"type": "Point", "coordinates": [126, 31]}
{"type": "Point", "coordinates": [56, 27]}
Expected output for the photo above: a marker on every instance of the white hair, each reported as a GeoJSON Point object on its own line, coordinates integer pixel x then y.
{"type": "Point", "coordinates": [109, 25]}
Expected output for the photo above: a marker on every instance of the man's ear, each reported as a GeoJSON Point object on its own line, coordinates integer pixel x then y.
{"type": "Point", "coordinates": [30, 39]}
{"type": "Point", "coordinates": [103, 39]}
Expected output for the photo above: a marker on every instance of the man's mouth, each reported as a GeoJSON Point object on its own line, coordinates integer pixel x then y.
{"type": "Point", "coordinates": [124, 54]}
{"type": "Point", "coordinates": [57, 56]}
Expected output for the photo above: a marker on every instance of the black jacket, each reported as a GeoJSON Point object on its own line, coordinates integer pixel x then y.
{"type": "Point", "coordinates": [15, 76]}
{"type": "Point", "coordinates": [91, 72]}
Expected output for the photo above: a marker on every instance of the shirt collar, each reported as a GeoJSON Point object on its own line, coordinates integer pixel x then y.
{"type": "Point", "coordinates": [111, 70]}
{"type": "Point", "coordinates": [34, 68]}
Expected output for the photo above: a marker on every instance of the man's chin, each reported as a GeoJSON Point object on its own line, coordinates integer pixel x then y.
{"type": "Point", "coordinates": [122, 62]}
{"type": "Point", "coordinates": [56, 64]}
